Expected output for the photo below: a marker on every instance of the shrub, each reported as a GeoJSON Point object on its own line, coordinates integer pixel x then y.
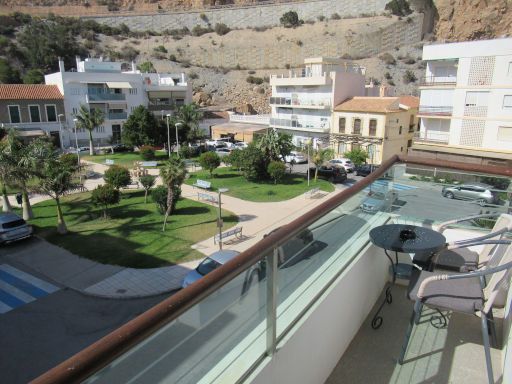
{"type": "Point", "coordinates": [409, 60]}
{"type": "Point", "coordinates": [409, 77]}
{"type": "Point", "coordinates": [193, 75]}
{"type": "Point", "coordinates": [235, 159]}
{"type": "Point", "coordinates": [254, 80]}
{"type": "Point", "coordinates": [391, 82]}
{"type": "Point", "coordinates": [287, 66]}
{"type": "Point", "coordinates": [290, 19]}
{"type": "Point", "coordinates": [186, 152]}
{"type": "Point", "coordinates": [335, 16]}
{"type": "Point", "coordinates": [203, 17]}
{"type": "Point", "coordinates": [159, 196]}
{"type": "Point", "coordinates": [299, 43]}
{"type": "Point", "coordinates": [147, 152]}
{"type": "Point", "coordinates": [251, 72]}
{"type": "Point", "coordinates": [276, 170]}
{"type": "Point", "coordinates": [321, 18]}
{"type": "Point", "coordinates": [199, 31]}
{"type": "Point", "coordinates": [172, 57]}
{"type": "Point", "coordinates": [209, 161]}
{"type": "Point", "coordinates": [105, 195]}
{"type": "Point", "coordinates": [70, 159]}
{"type": "Point", "coordinates": [221, 29]}
{"type": "Point", "coordinates": [117, 176]}
{"type": "Point", "coordinates": [388, 58]}
{"type": "Point", "coordinates": [161, 48]}
{"type": "Point", "coordinates": [398, 7]}
{"type": "Point", "coordinates": [388, 76]}
{"type": "Point", "coordinates": [147, 182]}
{"type": "Point", "coordinates": [253, 163]}
{"type": "Point", "coordinates": [260, 29]}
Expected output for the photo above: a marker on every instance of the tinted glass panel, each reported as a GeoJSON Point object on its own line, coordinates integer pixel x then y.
{"type": "Point", "coordinates": [51, 113]}
{"type": "Point", "coordinates": [34, 114]}
{"type": "Point", "coordinates": [207, 266]}
{"type": "Point", "coordinates": [13, 224]}
{"type": "Point", "coordinates": [14, 113]}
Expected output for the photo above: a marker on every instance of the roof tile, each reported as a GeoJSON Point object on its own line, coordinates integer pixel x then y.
{"type": "Point", "coordinates": [30, 92]}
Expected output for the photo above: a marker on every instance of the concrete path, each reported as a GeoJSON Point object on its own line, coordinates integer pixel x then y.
{"type": "Point", "coordinates": [110, 281]}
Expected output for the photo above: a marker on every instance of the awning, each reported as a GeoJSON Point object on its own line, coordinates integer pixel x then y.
{"type": "Point", "coordinates": [118, 84]}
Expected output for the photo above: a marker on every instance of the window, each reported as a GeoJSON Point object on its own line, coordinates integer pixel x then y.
{"type": "Point", "coordinates": [357, 127]}
{"type": "Point", "coordinates": [505, 133]}
{"type": "Point", "coordinates": [401, 149]}
{"type": "Point", "coordinates": [180, 102]}
{"type": "Point", "coordinates": [75, 111]}
{"type": "Point", "coordinates": [100, 129]}
{"type": "Point", "coordinates": [116, 133]}
{"type": "Point", "coordinates": [51, 113]}
{"type": "Point", "coordinates": [35, 115]}
{"type": "Point", "coordinates": [356, 146]}
{"type": "Point", "coordinates": [476, 99]}
{"type": "Point", "coordinates": [400, 130]}
{"type": "Point", "coordinates": [14, 113]}
{"type": "Point", "coordinates": [373, 127]}
{"type": "Point", "coordinates": [409, 143]}
{"type": "Point", "coordinates": [507, 101]}
{"type": "Point", "coordinates": [133, 91]}
{"type": "Point", "coordinates": [341, 125]}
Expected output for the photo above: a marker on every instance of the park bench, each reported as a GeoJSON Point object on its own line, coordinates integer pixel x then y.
{"type": "Point", "coordinates": [312, 192]}
{"type": "Point", "coordinates": [132, 185]}
{"type": "Point", "coordinates": [207, 197]}
{"type": "Point", "coordinates": [149, 163]}
{"type": "Point", "coordinates": [202, 184]}
{"type": "Point", "coordinates": [109, 162]}
{"type": "Point", "coordinates": [237, 232]}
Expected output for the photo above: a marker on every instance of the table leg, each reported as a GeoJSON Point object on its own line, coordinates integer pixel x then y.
{"type": "Point", "coordinates": [388, 298]}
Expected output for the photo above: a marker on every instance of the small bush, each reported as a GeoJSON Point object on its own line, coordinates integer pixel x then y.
{"type": "Point", "coordinates": [388, 58]}
{"type": "Point", "coordinates": [321, 18]}
{"type": "Point", "coordinates": [391, 82]}
{"type": "Point", "coordinates": [335, 16]}
{"type": "Point", "coordinates": [172, 57]}
{"type": "Point", "coordinates": [209, 161]}
{"type": "Point", "coordinates": [147, 152]}
{"type": "Point", "coordinates": [276, 170]}
{"type": "Point", "coordinates": [159, 196]}
{"type": "Point", "coordinates": [117, 176]}
{"type": "Point", "coordinates": [203, 17]}
{"type": "Point", "coordinates": [199, 31]}
{"type": "Point", "coordinates": [186, 152]}
{"type": "Point", "coordinates": [398, 7]}
{"type": "Point", "coordinates": [290, 19]}
{"type": "Point", "coordinates": [347, 56]}
{"type": "Point", "coordinates": [409, 60]}
{"type": "Point", "coordinates": [388, 76]}
{"type": "Point", "coordinates": [260, 29]}
{"type": "Point", "coordinates": [254, 80]}
{"type": "Point", "coordinates": [105, 195]}
{"type": "Point", "coordinates": [299, 43]}
{"type": "Point", "coordinates": [251, 72]}
{"type": "Point", "coordinates": [193, 75]}
{"type": "Point", "coordinates": [160, 48]}
{"type": "Point", "coordinates": [221, 29]}
{"type": "Point", "coordinates": [409, 77]}
{"type": "Point", "coordinates": [287, 66]}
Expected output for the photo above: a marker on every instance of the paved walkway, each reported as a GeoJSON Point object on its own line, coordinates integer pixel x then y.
{"type": "Point", "coordinates": [110, 281]}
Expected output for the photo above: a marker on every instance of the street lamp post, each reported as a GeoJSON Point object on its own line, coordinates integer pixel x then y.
{"type": "Point", "coordinates": [60, 130]}
{"type": "Point", "coordinates": [168, 135]}
{"type": "Point", "coordinates": [77, 152]}
{"type": "Point", "coordinates": [177, 141]}
{"type": "Point", "coordinates": [219, 220]}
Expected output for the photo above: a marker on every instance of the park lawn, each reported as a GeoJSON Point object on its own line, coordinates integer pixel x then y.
{"type": "Point", "coordinates": [125, 159]}
{"type": "Point", "coordinates": [291, 186]}
{"type": "Point", "coordinates": [133, 236]}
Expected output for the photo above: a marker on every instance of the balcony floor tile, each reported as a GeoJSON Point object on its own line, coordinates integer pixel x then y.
{"type": "Point", "coordinates": [454, 354]}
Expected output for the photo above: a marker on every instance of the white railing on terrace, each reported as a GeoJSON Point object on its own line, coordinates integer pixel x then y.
{"type": "Point", "coordinates": [433, 136]}
{"type": "Point", "coordinates": [256, 119]}
{"type": "Point", "coordinates": [300, 102]}
{"type": "Point", "coordinates": [299, 73]}
{"type": "Point", "coordinates": [307, 124]}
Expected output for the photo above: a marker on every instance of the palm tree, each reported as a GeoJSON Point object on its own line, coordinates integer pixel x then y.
{"type": "Point", "coordinates": [55, 177]}
{"type": "Point", "coordinates": [189, 116]}
{"type": "Point", "coordinates": [4, 174]}
{"type": "Point", "coordinates": [320, 156]}
{"type": "Point", "coordinates": [89, 119]}
{"type": "Point", "coordinates": [173, 174]}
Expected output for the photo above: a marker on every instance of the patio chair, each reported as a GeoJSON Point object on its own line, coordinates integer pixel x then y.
{"type": "Point", "coordinates": [467, 293]}
{"type": "Point", "coordinates": [462, 259]}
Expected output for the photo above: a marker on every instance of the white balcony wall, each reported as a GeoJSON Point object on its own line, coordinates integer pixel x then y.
{"type": "Point", "coordinates": [435, 130]}
{"type": "Point", "coordinates": [441, 71]}
{"type": "Point", "coordinates": [436, 98]}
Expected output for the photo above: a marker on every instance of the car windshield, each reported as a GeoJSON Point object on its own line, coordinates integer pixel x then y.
{"type": "Point", "coordinates": [206, 266]}
{"type": "Point", "coordinates": [13, 224]}
{"type": "Point", "coordinates": [377, 195]}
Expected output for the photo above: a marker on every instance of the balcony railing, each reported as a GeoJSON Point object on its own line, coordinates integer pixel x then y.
{"type": "Point", "coordinates": [105, 96]}
{"type": "Point", "coordinates": [432, 137]}
{"type": "Point", "coordinates": [427, 110]}
{"type": "Point", "coordinates": [117, 115]}
{"type": "Point", "coordinates": [438, 81]}
{"type": "Point", "coordinates": [305, 124]}
{"type": "Point", "coordinates": [243, 309]}
{"type": "Point", "coordinates": [299, 102]}
{"type": "Point", "coordinates": [255, 119]}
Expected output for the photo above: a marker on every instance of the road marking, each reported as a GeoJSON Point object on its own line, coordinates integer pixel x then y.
{"type": "Point", "coordinates": [395, 186]}
{"type": "Point", "coordinates": [18, 288]}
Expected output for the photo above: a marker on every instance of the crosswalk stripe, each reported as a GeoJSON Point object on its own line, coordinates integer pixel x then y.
{"type": "Point", "coordinates": [10, 300]}
{"type": "Point", "coordinates": [23, 285]}
{"type": "Point", "coordinates": [38, 283]}
{"type": "Point", "coordinates": [11, 289]}
{"type": "Point", "coordinates": [4, 308]}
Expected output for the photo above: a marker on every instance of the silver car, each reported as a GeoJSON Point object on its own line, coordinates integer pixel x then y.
{"type": "Point", "coordinates": [478, 192]}
{"type": "Point", "coordinates": [13, 228]}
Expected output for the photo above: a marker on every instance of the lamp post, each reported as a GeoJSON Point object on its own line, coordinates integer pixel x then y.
{"type": "Point", "coordinates": [168, 135]}
{"type": "Point", "coordinates": [77, 151]}
{"type": "Point", "coordinates": [60, 130]}
{"type": "Point", "coordinates": [219, 220]}
{"type": "Point", "coordinates": [177, 141]}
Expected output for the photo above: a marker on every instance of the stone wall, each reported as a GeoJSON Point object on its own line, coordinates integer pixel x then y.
{"type": "Point", "coordinates": [248, 16]}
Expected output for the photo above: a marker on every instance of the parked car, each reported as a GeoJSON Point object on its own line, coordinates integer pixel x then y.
{"type": "Point", "coordinates": [365, 169]}
{"type": "Point", "coordinates": [222, 151]}
{"type": "Point", "coordinates": [378, 200]}
{"type": "Point", "coordinates": [332, 173]}
{"type": "Point", "coordinates": [240, 145]}
{"type": "Point", "coordinates": [13, 228]}
{"type": "Point", "coordinates": [212, 262]}
{"type": "Point", "coordinates": [121, 148]}
{"type": "Point", "coordinates": [479, 192]}
{"type": "Point", "coordinates": [344, 162]}
{"type": "Point", "coordinates": [298, 157]}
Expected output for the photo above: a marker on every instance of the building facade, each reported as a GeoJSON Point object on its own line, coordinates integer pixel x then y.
{"type": "Point", "coordinates": [382, 126]}
{"type": "Point", "coordinates": [33, 109]}
{"type": "Point", "coordinates": [103, 85]}
{"type": "Point", "coordinates": [302, 101]}
{"type": "Point", "coordinates": [466, 103]}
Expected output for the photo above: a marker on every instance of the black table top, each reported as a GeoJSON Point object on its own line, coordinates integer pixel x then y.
{"type": "Point", "coordinates": [416, 239]}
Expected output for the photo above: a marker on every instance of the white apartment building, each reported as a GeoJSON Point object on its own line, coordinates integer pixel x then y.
{"type": "Point", "coordinates": [466, 103]}
{"type": "Point", "coordinates": [302, 101]}
{"type": "Point", "coordinates": [103, 85]}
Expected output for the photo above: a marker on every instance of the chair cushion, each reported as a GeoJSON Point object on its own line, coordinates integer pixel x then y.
{"type": "Point", "coordinates": [462, 295]}
{"type": "Point", "coordinates": [458, 260]}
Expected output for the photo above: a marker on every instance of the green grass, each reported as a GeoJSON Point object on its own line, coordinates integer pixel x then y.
{"type": "Point", "coordinates": [291, 186]}
{"type": "Point", "coordinates": [125, 159]}
{"type": "Point", "coordinates": [132, 237]}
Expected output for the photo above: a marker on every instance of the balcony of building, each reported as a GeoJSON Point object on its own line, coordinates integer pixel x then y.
{"type": "Point", "coordinates": [301, 124]}
{"type": "Point", "coordinates": [297, 307]}
{"type": "Point", "coordinates": [117, 115]}
{"type": "Point", "coordinates": [432, 137]}
{"type": "Point", "coordinates": [301, 78]}
{"type": "Point", "coordinates": [438, 81]}
{"type": "Point", "coordinates": [103, 96]}
{"type": "Point", "coordinates": [164, 82]}
{"type": "Point", "coordinates": [308, 103]}
{"type": "Point", "coordinates": [435, 111]}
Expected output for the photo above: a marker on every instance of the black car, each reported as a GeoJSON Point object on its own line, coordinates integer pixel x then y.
{"type": "Point", "coordinates": [366, 169]}
{"type": "Point", "coordinates": [332, 173]}
{"type": "Point", "coordinates": [121, 148]}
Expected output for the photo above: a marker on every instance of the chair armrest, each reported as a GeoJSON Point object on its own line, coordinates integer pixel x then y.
{"type": "Point", "coordinates": [446, 224]}
{"type": "Point", "coordinates": [474, 240]}
{"type": "Point", "coordinates": [455, 245]}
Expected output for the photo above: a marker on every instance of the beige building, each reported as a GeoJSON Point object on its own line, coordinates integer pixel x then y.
{"type": "Point", "coordinates": [383, 126]}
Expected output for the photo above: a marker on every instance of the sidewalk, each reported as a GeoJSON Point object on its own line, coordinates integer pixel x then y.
{"type": "Point", "coordinates": [110, 281]}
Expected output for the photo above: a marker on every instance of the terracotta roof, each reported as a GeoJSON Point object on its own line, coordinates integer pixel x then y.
{"type": "Point", "coordinates": [369, 104]}
{"type": "Point", "coordinates": [29, 92]}
{"type": "Point", "coordinates": [410, 101]}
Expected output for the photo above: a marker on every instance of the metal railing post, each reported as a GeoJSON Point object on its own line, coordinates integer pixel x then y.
{"type": "Point", "coordinates": [272, 301]}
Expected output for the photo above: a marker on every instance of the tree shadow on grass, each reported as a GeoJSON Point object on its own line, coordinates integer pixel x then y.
{"type": "Point", "coordinates": [191, 211]}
